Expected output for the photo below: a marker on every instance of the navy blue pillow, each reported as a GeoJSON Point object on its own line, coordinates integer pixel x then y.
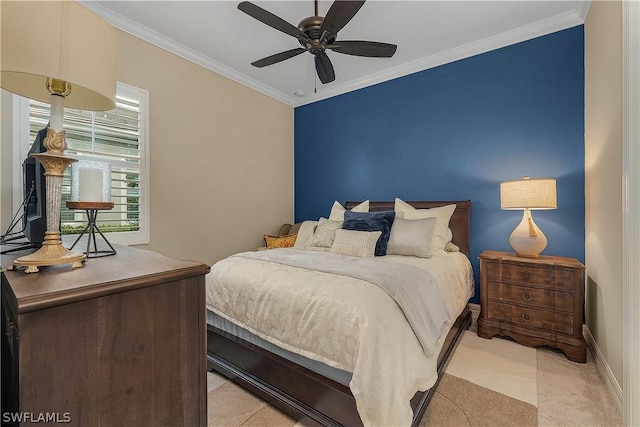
{"type": "Point", "coordinates": [371, 221]}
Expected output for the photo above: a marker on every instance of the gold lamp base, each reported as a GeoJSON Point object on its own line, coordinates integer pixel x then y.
{"type": "Point", "coordinates": [51, 253]}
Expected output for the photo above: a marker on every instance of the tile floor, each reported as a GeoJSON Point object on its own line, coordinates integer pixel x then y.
{"type": "Point", "coordinates": [566, 393]}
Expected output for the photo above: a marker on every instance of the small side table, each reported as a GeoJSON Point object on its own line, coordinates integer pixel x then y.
{"type": "Point", "coordinates": [535, 301]}
{"type": "Point", "coordinates": [92, 208]}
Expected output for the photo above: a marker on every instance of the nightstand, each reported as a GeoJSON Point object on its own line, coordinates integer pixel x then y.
{"type": "Point", "coordinates": [535, 301]}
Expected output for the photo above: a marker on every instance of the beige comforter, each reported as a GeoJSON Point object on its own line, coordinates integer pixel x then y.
{"type": "Point", "coordinates": [345, 322]}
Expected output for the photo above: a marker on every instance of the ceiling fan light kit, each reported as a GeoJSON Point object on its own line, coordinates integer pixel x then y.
{"type": "Point", "coordinates": [316, 34]}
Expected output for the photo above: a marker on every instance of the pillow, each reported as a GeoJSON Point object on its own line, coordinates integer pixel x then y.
{"type": "Point", "coordinates": [285, 229]}
{"type": "Point", "coordinates": [451, 247]}
{"type": "Point", "coordinates": [442, 214]}
{"type": "Point", "coordinates": [280, 241]}
{"type": "Point", "coordinates": [325, 233]}
{"type": "Point", "coordinates": [411, 237]}
{"type": "Point", "coordinates": [296, 227]}
{"type": "Point", "coordinates": [305, 234]}
{"type": "Point", "coordinates": [371, 221]}
{"type": "Point", "coordinates": [337, 210]}
{"type": "Point", "coordinates": [355, 243]}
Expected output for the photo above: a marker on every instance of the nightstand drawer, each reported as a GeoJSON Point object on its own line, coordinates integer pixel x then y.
{"type": "Point", "coordinates": [532, 317]}
{"type": "Point", "coordinates": [494, 271]}
{"type": "Point", "coordinates": [531, 297]}
{"type": "Point", "coordinates": [534, 297]}
{"type": "Point", "coordinates": [527, 274]}
{"type": "Point", "coordinates": [565, 278]}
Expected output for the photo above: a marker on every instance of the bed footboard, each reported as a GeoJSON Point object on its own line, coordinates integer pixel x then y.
{"type": "Point", "coordinates": [299, 391]}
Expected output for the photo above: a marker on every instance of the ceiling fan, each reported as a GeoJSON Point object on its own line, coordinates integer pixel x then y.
{"type": "Point", "coordinates": [316, 34]}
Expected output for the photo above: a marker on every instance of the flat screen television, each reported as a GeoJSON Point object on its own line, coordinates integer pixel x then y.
{"type": "Point", "coordinates": [35, 195]}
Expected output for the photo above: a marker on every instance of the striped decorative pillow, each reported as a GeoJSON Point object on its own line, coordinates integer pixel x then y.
{"type": "Point", "coordinates": [355, 243]}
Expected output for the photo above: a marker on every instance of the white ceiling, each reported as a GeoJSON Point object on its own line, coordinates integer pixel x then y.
{"type": "Point", "coordinates": [216, 35]}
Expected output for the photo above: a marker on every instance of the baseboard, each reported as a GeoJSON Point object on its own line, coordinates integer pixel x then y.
{"type": "Point", "coordinates": [475, 312]}
{"type": "Point", "coordinates": [603, 369]}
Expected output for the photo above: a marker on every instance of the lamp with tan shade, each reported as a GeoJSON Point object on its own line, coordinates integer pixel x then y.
{"type": "Point", "coordinates": [61, 53]}
{"type": "Point", "coordinates": [527, 194]}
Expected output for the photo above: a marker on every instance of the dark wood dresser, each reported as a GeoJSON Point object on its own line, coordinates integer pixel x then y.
{"type": "Point", "coordinates": [536, 301]}
{"type": "Point", "coordinates": [118, 342]}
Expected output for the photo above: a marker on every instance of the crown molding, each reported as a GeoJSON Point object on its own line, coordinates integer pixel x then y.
{"type": "Point", "coordinates": [582, 9]}
{"type": "Point", "coordinates": [528, 32]}
{"type": "Point", "coordinates": [541, 28]}
{"type": "Point", "coordinates": [144, 33]}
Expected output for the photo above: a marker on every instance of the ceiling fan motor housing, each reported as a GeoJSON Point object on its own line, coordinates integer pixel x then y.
{"type": "Point", "coordinates": [311, 27]}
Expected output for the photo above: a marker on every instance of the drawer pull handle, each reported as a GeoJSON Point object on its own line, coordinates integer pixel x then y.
{"type": "Point", "coordinates": [526, 317]}
{"type": "Point", "coordinates": [526, 296]}
{"type": "Point", "coordinates": [525, 275]}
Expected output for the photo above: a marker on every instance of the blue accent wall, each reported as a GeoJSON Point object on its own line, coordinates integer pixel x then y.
{"type": "Point", "coordinates": [455, 132]}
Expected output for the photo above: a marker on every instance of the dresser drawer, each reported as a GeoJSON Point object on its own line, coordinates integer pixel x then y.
{"type": "Point", "coordinates": [531, 297]}
{"type": "Point", "coordinates": [564, 278]}
{"type": "Point", "coordinates": [527, 274]}
{"type": "Point", "coordinates": [532, 317]}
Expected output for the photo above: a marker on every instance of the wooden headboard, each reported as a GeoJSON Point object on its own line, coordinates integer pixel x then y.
{"type": "Point", "coordinates": [459, 224]}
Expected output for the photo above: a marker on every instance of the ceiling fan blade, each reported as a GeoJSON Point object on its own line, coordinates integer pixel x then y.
{"type": "Point", "coordinates": [339, 14]}
{"type": "Point", "coordinates": [271, 20]}
{"type": "Point", "coordinates": [364, 48]}
{"type": "Point", "coordinates": [269, 60]}
{"type": "Point", "coordinates": [324, 68]}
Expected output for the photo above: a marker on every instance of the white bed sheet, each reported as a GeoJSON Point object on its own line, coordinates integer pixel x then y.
{"type": "Point", "coordinates": [345, 323]}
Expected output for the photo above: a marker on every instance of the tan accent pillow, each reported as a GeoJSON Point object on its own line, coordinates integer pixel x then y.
{"type": "Point", "coordinates": [285, 229]}
{"type": "Point", "coordinates": [294, 228]}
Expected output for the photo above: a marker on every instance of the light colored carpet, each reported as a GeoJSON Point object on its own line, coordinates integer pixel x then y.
{"type": "Point", "coordinates": [457, 403]}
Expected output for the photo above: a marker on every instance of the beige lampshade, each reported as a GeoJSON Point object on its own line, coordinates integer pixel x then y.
{"type": "Point", "coordinates": [61, 40]}
{"type": "Point", "coordinates": [539, 193]}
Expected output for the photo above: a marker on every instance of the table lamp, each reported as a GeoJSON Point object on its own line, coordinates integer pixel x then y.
{"type": "Point", "coordinates": [527, 194]}
{"type": "Point", "coordinates": [61, 53]}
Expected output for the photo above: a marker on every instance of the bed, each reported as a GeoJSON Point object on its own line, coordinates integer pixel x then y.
{"type": "Point", "coordinates": [325, 385]}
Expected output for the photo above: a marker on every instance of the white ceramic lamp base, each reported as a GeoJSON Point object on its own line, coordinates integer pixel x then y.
{"type": "Point", "coordinates": [527, 239]}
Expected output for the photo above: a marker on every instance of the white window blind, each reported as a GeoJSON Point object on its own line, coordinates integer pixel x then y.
{"type": "Point", "coordinates": [116, 137]}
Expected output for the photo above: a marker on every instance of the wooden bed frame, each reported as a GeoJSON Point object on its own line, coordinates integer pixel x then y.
{"type": "Point", "coordinates": [301, 392]}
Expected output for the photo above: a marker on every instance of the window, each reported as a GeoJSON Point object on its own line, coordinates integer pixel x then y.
{"type": "Point", "coordinates": [117, 137]}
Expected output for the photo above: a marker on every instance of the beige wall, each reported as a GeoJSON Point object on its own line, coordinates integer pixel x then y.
{"type": "Point", "coordinates": [221, 156]}
{"type": "Point", "coordinates": [603, 180]}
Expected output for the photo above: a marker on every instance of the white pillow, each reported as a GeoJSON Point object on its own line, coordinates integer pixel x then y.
{"type": "Point", "coordinates": [305, 234]}
{"type": "Point", "coordinates": [337, 210]}
{"type": "Point", "coordinates": [356, 243]}
{"type": "Point", "coordinates": [442, 214]}
{"type": "Point", "coordinates": [325, 233]}
{"type": "Point", "coordinates": [451, 247]}
{"type": "Point", "coordinates": [411, 237]}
